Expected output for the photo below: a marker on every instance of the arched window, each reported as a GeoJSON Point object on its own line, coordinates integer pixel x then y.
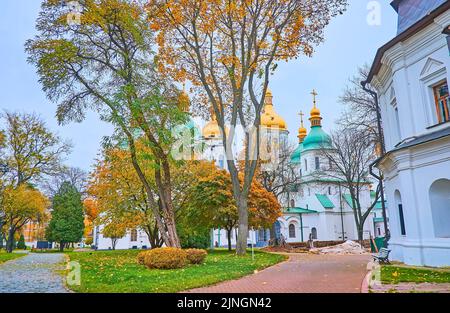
{"type": "Point", "coordinates": [317, 161]}
{"type": "Point", "coordinates": [440, 207]}
{"type": "Point", "coordinates": [292, 203]}
{"type": "Point", "coordinates": [401, 217]}
{"type": "Point", "coordinates": [306, 165]}
{"type": "Point", "coordinates": [291, 231]}
{"type": "Point", "coordinates": [314, 233]}
{"type": "Point", "coordinates": [133, 235]}
{"type": "Point", "coordinates": [329, 190]}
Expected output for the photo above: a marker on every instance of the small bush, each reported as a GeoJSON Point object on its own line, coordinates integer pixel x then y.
{"type": "Point", "coordinates": [141, 257]}
{"type": "Point", "coordinates": [166, 258]}
{"type": "Point", "coordinates": [196, 256]}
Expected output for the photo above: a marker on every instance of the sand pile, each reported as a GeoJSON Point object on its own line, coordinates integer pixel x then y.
{"type": "Point", "coordinates": [348, 247]}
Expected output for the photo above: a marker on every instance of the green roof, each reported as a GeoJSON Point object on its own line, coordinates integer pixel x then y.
{"type": "Point", "coordinates": [325, 201]}
{"type": "Point", "coordinates": [296, 155]}
{"type": "Point", "coordinates": [299, 211]}
{"type": "Point", "coordinates": [348, 199]}
{"type": "Point", "coordinates": [317, 139]}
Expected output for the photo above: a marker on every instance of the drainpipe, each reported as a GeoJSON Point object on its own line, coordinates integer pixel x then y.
{"type": "Point", "coordinates": [383, 152]}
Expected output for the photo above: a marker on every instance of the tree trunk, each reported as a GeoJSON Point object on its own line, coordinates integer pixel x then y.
{"type": "Point", "coordinates": [10, 241]}
{"type": "Point", "coordinates": [241, 244]}
{"type": "Point", "coordinates": [360, 233]}
{"type": "Point", "coordinates": [273, 236]}
{"type": "Point", "coordinates": [113, 243]}
{"type": "Point", "coordinates": [229, 238]}
{"type": "Point", "coordinates": [61, 246]}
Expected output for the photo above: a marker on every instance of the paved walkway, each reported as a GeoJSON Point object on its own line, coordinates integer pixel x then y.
{"type": "Point", "coordinates": [32, 273]}
{"type": "Point", "coordinates": [302, 273]}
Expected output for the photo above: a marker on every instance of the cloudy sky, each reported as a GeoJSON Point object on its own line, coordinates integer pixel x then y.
{"type": "Point", "coordinates": [350, 42]}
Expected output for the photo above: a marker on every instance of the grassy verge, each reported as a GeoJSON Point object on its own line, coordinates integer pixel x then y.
{"type": "Point", "coordinates": [9, 256]}
{"type": "Point", "coordinates": [393, 274]}
{"type": "Point", "coordinates": [117, 271]}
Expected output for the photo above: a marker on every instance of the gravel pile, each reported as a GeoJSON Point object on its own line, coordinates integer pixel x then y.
{"type": "Point", "coordinates": [348, 247]}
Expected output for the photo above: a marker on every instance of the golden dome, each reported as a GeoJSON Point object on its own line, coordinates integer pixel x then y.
{"type": "Point", "coordinates": [212, 128]}
{"type": "Point", "coordinates": [269, 118]}
{"type": "Point", "coordinates": [315, 112]}
{"type": "Point", "coordinates": [302, 132]}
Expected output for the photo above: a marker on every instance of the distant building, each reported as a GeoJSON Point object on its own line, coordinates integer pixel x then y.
{"type": "Point", "coordinates": [411, 75]}
{"type": "Point", "coordinates": [320, 208]}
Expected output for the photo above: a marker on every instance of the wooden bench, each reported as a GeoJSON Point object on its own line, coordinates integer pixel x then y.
{"type": "Point", "coordinates": [382, 256]}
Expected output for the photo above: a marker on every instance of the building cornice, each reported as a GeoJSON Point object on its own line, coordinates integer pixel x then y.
{"type": "Point", "coordinates": [420, 25]}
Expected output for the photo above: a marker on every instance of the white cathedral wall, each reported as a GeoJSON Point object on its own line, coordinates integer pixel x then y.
{"type": "Point", "coordinates": [410, 70]}
{"type": "Point", "coordinates": [411, 174]}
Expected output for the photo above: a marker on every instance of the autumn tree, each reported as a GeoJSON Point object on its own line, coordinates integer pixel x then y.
{"type": "Point", "coordinates": [212, 204]}
{"type": "Point", "coordinates": [67, 221]}
{"type": "Point", "coordinates": [32, 151]}
{"type": "Point", "coordinates": [21, 205]}
{"type": "Point", "coordinates": [105, 63]}
{"type": "Point", "coordinates": [118, 192]}
{"type": "Point", "coordinates": [114, 230]}
{"type": "Point", "coordinates": [30, 154]}
{"type": "Point", "coordinates": [228, 50]}
{"type": "Point", "coordinates": [90, 214]}
{"type": "Point", "coordinates": [350, 157]}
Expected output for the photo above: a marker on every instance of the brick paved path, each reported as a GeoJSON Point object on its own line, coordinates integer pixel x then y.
{"type": "Point", "coordinates": [302, 273]}
{"type": "Point", "coordinates": [32, 273]}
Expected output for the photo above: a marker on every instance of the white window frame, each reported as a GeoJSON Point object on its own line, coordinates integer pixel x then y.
{"type": "Point", "coordinates": [428, 82]}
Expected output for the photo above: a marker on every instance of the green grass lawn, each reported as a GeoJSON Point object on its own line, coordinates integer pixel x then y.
{"type": "Point", "coordinates": [9, 256]}
{"type": "Point", "coordinates": [117, 271]}
{"type": "Point", "coordinates": [392, 274]}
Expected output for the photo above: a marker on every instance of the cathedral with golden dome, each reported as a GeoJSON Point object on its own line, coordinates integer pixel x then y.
{"type": "Point", "coordinates": [319, 207]}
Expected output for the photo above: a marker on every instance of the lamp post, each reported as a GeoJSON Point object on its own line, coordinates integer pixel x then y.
{"type": "Point", "coordinates": [3, 170]}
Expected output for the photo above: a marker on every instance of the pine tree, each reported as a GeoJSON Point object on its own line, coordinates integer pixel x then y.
{"type": "Point", "coordinates": [67, 222]}
{"type": "Point", "coordinates": [21, 243]}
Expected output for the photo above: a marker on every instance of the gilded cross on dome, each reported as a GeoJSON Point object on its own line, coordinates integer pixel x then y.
{"type": "Point", "coordinates": [314, 94]}
{"type": "Point", "coordinates": [301, 116]}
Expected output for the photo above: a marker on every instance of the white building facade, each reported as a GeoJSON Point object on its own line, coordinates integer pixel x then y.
{"type": "Point", "coordinates": [411, 75]}
{"type": "Point", "coordinates": [321, 207]}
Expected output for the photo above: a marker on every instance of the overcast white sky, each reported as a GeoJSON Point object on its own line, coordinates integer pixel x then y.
{"type": "Point", "coordinates": [350, 42]}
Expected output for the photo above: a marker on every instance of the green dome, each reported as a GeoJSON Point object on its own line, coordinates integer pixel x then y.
{"type": "Point", "coordinates": [190, 126]}
{"type": "Point", "coordinates": [296, 155]}
{"type": "Point", "coordinates": [317, 139]}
